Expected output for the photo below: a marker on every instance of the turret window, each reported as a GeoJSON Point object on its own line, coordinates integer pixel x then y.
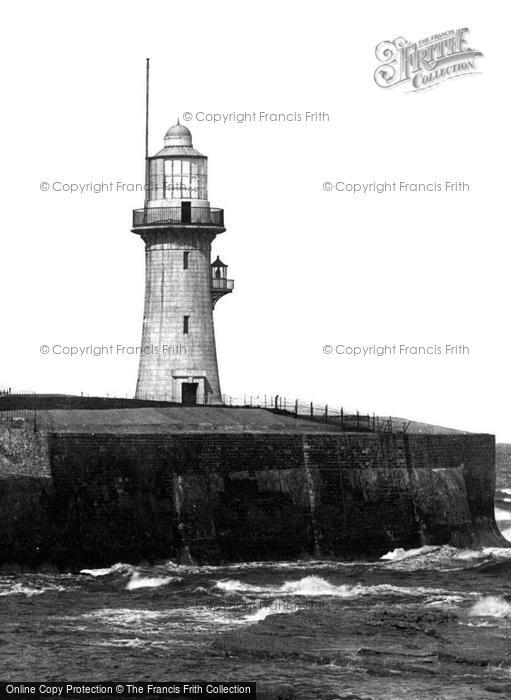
{"type": "Point", "coordinates": [186, 255]}
{"type": "Point", "coordinates": [186, 324]}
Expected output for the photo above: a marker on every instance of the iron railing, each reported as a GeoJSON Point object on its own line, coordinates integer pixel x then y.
{"type": "Point", "coordinates": [347, 420]}
{"type": "Point", "coordinates": [344, 419]}
{"type": "Point", "coordinates": [176, 215]}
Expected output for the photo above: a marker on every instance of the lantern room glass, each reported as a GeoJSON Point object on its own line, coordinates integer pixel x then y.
{"type": "Point", "coordinates": [185, 178]}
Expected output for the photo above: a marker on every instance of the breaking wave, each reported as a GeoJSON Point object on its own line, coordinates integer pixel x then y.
{"type": "Point", "coordinates": [115, 569]}
{"type": "Point", "coordinates": [399, 554]}
{"type": "Point", "coordinates": [491, 606]}
{"type": "Point", "coordinates": [502, 515]}
{"type": "Point", "coordinates": [443, 557]}
{"type": "Point", "coordinates": [311, 586]}
{"type": "Point", "coordinates": [137, 581]}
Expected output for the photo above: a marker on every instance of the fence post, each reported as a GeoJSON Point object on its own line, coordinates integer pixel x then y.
{"type": "Point", "coordinates": [312, 410]}
{"type": "Point", "coordinates": [326, 412]}
{"type": "Point", "coordinates": [296, 408]}
{"type": "Point", "coordinates": [373, 422]}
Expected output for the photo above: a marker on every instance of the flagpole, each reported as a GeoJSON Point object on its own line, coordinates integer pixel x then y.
{"type": "Point", "coordinates": [147, 130]}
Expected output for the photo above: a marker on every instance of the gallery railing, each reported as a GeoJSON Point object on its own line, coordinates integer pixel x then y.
{"type": "Point", "coordinates": [222, 283]}
{"type": "Point", "coordinates": [178, 215]}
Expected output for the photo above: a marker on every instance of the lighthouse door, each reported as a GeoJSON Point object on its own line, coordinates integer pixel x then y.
{"type": "Point", "coordinates": [186, 212]}
{"type": "Point", "coordinates": [189, 393]}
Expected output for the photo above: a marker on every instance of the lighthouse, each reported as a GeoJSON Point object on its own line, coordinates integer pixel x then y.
{"type": "Point", "coordinates": [178, 360]}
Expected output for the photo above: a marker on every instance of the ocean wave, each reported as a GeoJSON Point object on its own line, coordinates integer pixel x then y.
{"type": "Point", "coordinates": [29, 591]}
{"type": "Point", "coordinates": [137, 577]}
{"type": "Point", "coordinates": [138, 581]}
{"type": "Point", "coordinates": [123, 616]}
{"type": "Point", "coordinates": [442, 557]}
{"type": "Point", "coordinates": [399, 554]}
{"type": "Point", "coordinates": [447, 601]}
{"type": "Point", "coordinates": [311, 586]}
{"type": "Point", "coordinates": [491, 606]}
{"type": "Point", "coordinates": [278, 565]}
{"type": "Point", "coordinates": [315, 586]}
{"type": "Point", "coordinates": [154, 623]}
{"type": "Point", "coordinates": [276, 608]}
{"type": "Point", "coordinates": [114, 569]}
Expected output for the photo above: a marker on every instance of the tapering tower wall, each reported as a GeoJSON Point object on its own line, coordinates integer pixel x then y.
{"type": "Point", "coordinates": [178, 359]}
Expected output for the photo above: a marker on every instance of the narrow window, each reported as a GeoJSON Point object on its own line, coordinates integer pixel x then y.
{"type": "Point", "coordinates": [185, 324]}
{"type": "Point", "coordinates": [185, 260]}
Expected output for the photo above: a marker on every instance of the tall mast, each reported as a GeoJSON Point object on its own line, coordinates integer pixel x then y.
{"type": "Point", "coordinates": [147, 129]}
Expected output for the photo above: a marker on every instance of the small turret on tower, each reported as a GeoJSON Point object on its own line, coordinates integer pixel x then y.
{"type": "Point", "coordinates": [220, 285]}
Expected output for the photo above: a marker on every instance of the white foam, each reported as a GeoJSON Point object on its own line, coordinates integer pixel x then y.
{"type": "Point", "coordinates": [448, 601]}
{"type": "Point", "coordinates": [110, 570]}
{"type": "Point", "coordinates": [20, 589]}
{"type": "Point", "coordinates": [502, 514]}
{"type": "Point", "coordinates": [138, 581]}
{"type": "Point", "coordinates": [230, 585]}
{"type": "Point", "coordinates": [121, 616]}
{"type": "Point", "coordinates": [315, 586]}
{"type": "Point", "coordinates": [508, 491]}
{"type": "Point", "coordinates": [491, 606]}
{"type": "Point", "coordinates": [311, 586]}
{"type": "Point", "coordinates": [400, 553]}
{"type": "Point", "coordinates": [441, 558]}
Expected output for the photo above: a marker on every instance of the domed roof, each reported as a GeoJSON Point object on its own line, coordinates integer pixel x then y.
{"type": "Point", "coordinates": [178, 135]}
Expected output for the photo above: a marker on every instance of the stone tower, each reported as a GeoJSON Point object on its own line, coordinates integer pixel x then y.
{"type": "Point", "coordinates": [177, 224]}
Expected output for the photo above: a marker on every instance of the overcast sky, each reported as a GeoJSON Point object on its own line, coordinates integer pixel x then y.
{"type": "Point", "coordinates": [311, 267]}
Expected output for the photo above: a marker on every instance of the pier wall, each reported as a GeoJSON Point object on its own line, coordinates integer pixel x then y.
{"type": "Point", "coordinates": [95, 499]}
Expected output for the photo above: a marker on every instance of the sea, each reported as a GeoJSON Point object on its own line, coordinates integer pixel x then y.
{"type": "Point", "coordinates": [433, 622]}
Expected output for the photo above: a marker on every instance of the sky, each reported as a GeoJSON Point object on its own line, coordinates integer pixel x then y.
{"type": "Point", "coordinates": [314, 268]}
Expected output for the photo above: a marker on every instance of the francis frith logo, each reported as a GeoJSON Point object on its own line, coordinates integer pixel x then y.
{"type": "Point", "coordinates": [425, 63]}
